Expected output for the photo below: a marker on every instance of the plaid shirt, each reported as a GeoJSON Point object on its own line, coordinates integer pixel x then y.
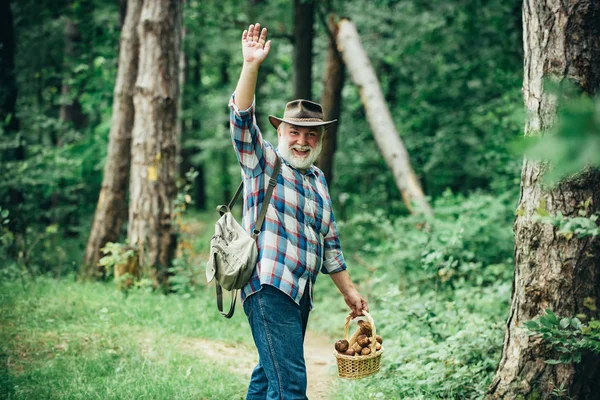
{"type": "Point", "coordinates": [299, 237]}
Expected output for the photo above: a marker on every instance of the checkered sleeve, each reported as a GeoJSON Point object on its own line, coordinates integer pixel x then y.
{"type": "Point", "coordinates": [333, 259]}
{"type": "Point", "coordinates": [247, 139]}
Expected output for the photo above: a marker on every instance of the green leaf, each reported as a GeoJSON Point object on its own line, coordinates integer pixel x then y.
{"type": "Point", "coordinates": [551, 316]}
{"type": "Point", "coordinates": [565, 322]}
{"type": "Point", "coordinates": [565, 358]}
{"type": "Point", "coordinates": [532, 325]}
{"type": "Point", "coordinates": [576, 323]}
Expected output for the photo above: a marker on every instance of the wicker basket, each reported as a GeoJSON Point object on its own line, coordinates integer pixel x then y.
{"type": "Point", "coordinates": [356, 367]}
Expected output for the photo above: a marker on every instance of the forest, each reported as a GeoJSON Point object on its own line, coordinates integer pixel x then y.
{"type": "Point", "coordinates": [464, 173]}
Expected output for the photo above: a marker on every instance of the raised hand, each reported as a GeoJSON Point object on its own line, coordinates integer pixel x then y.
{"type": "Point", "coordinates": [255, 48]}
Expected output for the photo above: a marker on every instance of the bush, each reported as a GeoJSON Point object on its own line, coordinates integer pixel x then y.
{"type": "Point", "coordinates": [469, 240]}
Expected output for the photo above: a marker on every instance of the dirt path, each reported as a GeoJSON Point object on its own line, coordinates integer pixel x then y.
{"type": "Point", "coordinates": [317, 349]}
{"type": "Point", "coordinates": [320, 362]}
{"type": "Point", "coordinates": [318, 352]}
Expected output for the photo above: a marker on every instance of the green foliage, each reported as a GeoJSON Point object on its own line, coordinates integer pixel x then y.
{"type": "Point", "coordinates": [6, 236]}
{"type": "Point", "coordinates": [567, 339]}
{"type": "Point", "coordinates": [115, 254]}
{"type": "Point", "coordinates": [451, 73]}
{"type": "Point", "coordinates": [186, 271]}
{"type": "Point", "coordinates": [62, 339]}
{"type": "Point", "coordinates": [438, 289]}
{"type": "Point", "coordinates": [469, 241]}
{"type": "Point", "coordinates": [581, 226]}
{"type": "Point", "coordinates": [573, 142]}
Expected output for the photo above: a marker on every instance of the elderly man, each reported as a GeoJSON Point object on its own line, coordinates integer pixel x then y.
{"type": "Point", "coordinates": [299, 237]}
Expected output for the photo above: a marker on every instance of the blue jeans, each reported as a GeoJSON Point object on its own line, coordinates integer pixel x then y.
{"type": "Point", "coordinates": [278, 326]}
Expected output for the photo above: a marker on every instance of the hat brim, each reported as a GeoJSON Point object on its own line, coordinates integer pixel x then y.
{"type": "Point", "coordinates": [275, 121]}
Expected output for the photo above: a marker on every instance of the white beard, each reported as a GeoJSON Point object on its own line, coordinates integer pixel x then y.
{"type": "Point", "coordinates": [301, 163]}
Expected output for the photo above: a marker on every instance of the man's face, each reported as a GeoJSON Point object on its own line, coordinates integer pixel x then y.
{"type": "Point", "coordinates": [300, 145]}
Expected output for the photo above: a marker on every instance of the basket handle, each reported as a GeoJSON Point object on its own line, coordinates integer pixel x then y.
{"type": "Point", "coordinates": [371, 321]}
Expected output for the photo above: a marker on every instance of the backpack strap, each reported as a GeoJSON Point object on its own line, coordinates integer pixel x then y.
{"type": "Point", "coordinates": [265, 204]}
{"type": "Point", "coordinates": [259, 222]}
{"type": "Point", "coordinates": [234, 295]}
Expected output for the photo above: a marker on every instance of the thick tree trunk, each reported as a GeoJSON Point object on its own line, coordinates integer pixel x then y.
{"type": "Point", "coordinates": [562, 44]}
{"type": "Point", "coordinates": [303, 43]}
{"type": "Point", "coordinates": [111, 210]}
{"type": "Point", "coordinates": [70, 107]}
{"type": "Point", "coordinates": [331, 100]}
{"type": "Point", "coordinates": [153, 165]}
{"type": "Point", "coordinates": [380, 119]}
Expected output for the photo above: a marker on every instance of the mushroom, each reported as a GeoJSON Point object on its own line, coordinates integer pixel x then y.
{"type": "Point", "coordinates": [366, 351]}
{"type": "Point", "coordinates": [342, 345]}
{"type": "Point", "coordinates": [363, 340]}
{"type": "Point", "coordinates": [349, 352]}
{"type": "Point", "coordinates": [378, 346]}
{"type": "Point", "coordinates": [365, 328]}
{"type": "Point", "coordinates": [357, 347]}
{"type": "Point", "coordinates": [379, 339]}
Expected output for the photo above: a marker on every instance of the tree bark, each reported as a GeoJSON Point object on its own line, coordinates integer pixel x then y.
{"type": "Point", "coordinates": [331, 100]}
{"type": "Point", "coordinates": [70, 107]}
{"type": "Point", "coordinates": [562, 44]}
{"type": "Point", "coordinates": [380, 119]}
{"type": "Point", "coordinates": [153, 166]}
{"type": "Point", "coordinates": [111, 209]}
{"type": "Point", "coordinates": [303, 43]}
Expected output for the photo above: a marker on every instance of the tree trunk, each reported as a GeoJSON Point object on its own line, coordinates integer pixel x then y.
{"type": "Point", "coordinates": [8, 81]}
{"type": "Point", "coordinates": [562, 44]}
{"type": "Point", "coordinates": [179, 129]}
{"type": "Point", "coordinates": [380, 119]}
{"type": "Point", "coordinates": [331, 100]}
{"type": "Point", "coordinates": [111, 210]}
{"type": "Point", "coordinates": [13, 199]}
{"type": "Point", "coordinates": [153, 166]}
{"type": "Point", "coordinates": [70, 107]}
{"type": "Point", "coordinates": [303, 42]}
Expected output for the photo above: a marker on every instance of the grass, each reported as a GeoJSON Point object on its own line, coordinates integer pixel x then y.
{"type": "Point", "coordinates": [66, 340]}
{"type": "Point", "coordinates": [62, 340]}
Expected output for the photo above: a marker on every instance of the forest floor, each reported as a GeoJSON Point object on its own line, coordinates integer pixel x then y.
{"type": "Point", "coordinates": [241, 359]}
{"type": "Point", "coordinates": [318, 353]}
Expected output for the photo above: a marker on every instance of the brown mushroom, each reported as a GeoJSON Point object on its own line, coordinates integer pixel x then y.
{"type": "Point", "coordinates": [363, 340]}
{"type": "Point", "coordinates": [357, 347]}
{"type": "Point", "coordinates": [365, 328]}
{"type": "Point", "coordinates": [378, 346]}
{"type": "Point", "coordinates": [379, 339]}
{"type": "Point", "coordinates": [342, 345]}
{"type": "Point", "coordinates": [349, 352]}
{"type": "Point", "coordinates": [366, 351]}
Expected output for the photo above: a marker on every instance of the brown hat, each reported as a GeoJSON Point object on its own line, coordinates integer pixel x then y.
{"type": "Point", "coordinates": [301, 113]}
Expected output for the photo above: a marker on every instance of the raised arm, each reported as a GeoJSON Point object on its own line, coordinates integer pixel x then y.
{"type": "Point", "coordinates": [255, 50]}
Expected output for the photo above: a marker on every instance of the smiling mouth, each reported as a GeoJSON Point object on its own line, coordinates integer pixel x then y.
{"type": "Point", "coordinates": [300, 153]}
